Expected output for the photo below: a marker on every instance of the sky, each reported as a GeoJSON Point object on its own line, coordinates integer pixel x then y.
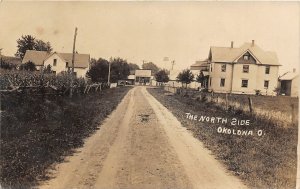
{"type": "Point", "coordinates": [150, 31]}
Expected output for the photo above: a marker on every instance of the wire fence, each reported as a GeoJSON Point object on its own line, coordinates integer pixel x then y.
{"type": "Point", "coordinates": [286, 113]}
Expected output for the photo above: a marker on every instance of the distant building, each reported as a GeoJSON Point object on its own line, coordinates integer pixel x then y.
{"type": "Point", "coordinates": [141, 77]}
{"type": "Point", "coordinates": [289, 83]}
{"type": "Point", "coordinates": [59, 62]}
{"type": "Point", "coordinates": [244, 70]}
{"type": "Point", "coordinates": [173, 82]}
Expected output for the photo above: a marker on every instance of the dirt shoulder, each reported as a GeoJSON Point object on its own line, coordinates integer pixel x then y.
{"type": "Point", "coordinates": [38, 131]}
{"type": "Point", "coordinates": [267, 161]}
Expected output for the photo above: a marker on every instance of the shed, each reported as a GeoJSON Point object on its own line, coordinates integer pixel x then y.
{"type": "Point", "coordinates": [289, 83]}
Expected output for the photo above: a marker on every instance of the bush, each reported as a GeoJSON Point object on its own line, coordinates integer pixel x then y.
{"type": "Point", "coordinates": [29, 66]}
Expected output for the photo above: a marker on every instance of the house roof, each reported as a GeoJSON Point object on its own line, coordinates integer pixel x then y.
{"type": "Point", "coordinates": [38, 58]}
{"type": "Point", "coordinates": [143, 73]}
{"type": "Point", "coordinates": [81, 60]}
{"type": "Point", "coordinates": [11, 60]}
{"type": "Point", "coordinates": [289, 76]}
{"type": "Point", "coordinates": [199, 64]}
{"type": "Point", "coordinates": [228, 54]}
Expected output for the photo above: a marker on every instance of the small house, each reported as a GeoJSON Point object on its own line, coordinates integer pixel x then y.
{"type": "Point", "coordinates": [289, 83]}
{"type": "Point", "coordinates": [59, 62]}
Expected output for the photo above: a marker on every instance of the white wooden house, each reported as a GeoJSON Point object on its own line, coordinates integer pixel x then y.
{"type": "Point", "coordinates": [243, 70]}
{"type": "Point", "coordinates": [59, 62]}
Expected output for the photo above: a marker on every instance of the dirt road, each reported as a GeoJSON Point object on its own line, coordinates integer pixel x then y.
{"type": "Point", "coordinates": [142, 145]}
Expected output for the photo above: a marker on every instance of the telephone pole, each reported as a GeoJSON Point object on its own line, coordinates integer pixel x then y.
{"type": "Point", "coordinates": [73, 59]}
{"type": "Point", "coordinates": [173, 63]}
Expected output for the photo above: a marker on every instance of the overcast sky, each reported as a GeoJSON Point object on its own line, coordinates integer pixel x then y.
{"type": "Point", "coordinates": [136, 31]}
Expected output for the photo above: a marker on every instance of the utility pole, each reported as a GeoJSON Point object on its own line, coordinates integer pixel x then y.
{"type": "Point", "coordinates": [73, 59]}
{"type": "Point", "coordinates": [173, 63]}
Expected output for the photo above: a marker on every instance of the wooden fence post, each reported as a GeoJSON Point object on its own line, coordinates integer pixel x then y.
{"type": "Point", "coordinates": [250, 105]}
{"type": "Point", "coordinates": [226, 101]}
{"type": "Point", "coordinates": [293, 114]}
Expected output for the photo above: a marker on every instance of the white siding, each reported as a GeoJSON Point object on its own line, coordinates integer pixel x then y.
{"type": "Point", "coordinates": [60, 63]}
{"type": "Point", "coordinates": [61, 66]}
{"type": "Point", "coordinates": [294, 87]}
{"type": "Point", "coordinates": [234, 75]}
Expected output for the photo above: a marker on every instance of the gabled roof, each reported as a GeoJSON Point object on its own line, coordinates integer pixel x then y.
{"type": "Point", "coordinates": [37, 57]}
{"type": "Point", "coordinates": [289, 76]}
{"type": "Point", "coordinates": [228, 54]}
{"type": "Point", "coordinates": [11, 60]}
{"type": "Point", "coordinates": [81, 60]}
{"type": "Point", "coordinates": [202, 63]}
{"type": "Point", "coordinates": [199, 65]}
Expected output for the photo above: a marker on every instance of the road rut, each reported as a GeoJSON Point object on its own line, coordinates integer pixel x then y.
{"type": "Point", "coordinates": [142, 145]}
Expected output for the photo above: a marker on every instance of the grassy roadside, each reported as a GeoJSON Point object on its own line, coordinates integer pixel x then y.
{"type": "Point", "coordinates": [36, 131]}
{"type": "Point", "coordinates": [267, 161]}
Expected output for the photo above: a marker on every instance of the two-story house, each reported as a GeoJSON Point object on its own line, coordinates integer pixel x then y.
{"type": "Point", "coordinates": [59, 62]}
{"type": "Point", "coordinates": [244, 70]}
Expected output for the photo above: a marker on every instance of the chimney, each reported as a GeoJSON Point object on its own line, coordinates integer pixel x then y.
{"type": "Point", "coordinates": [231, 44]}
{"type": "Point", "coordinates": [294, 70]}
{"type": "Point", "coordinates": [253, 43]}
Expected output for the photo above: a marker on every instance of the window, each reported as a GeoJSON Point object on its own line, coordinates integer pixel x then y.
{"type": "Point", "coordinates": [67, 64]}
{"type": "Point", "coordinates": [211, 68]}
{"type": "Point", "coordinates": [246, 57]}
{"type": "Point", "coordinates": [209, 81]}
{"type": "Point", "coordinates": [245, 83]}
{"type": "Point", "coordinates": [223, 68]}
{"type": "Point", "coordinates": [54, 62]}
{"type": "Point", "coordinates": [54, 72]}
{"type": "Point", "coordinates": [266, 84]}
{"type": "Point", "coordinates": [222, 82]}
{"type": "Point", "coordinates": [245, 68]}
{"type": "Point", "coordinates": [267, 70]}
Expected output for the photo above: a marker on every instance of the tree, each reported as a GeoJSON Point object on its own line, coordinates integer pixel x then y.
{"type": "Point", "coordinates": [48, 69]}
{"type": "Point", "coordinates": [162, 76]}
{"type": "Point", "coordinates": [26, 42]}
{"type": "Point", "coordinates": [29, 42]}
{"type": "Point", "coordinates": [99, 70]}
{"type": "Point", "coordinates": [150, 66]}
{"type": "Point", "coordinates": [119, 69]}
{"type": "Point", "coordinates": [202, 79]}
{"type": "Point", "coordinates": [6, 65]}
{"type": "Point", "coordinates": [42, 46]}
{"type": "Point", "coordinates": [133, 66]}
{"type": "Point", "coordinates": [28, 66]}
{"type": "Point", "coordinates": [186, 76]}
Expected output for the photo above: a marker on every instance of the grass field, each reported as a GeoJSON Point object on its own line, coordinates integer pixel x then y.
{"type": "Point", "coordinates": [267, 161]}
{"type": "Point", "coordinates": [279, 108]}
{"type": "Point", "coordinates": [37, 132]}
